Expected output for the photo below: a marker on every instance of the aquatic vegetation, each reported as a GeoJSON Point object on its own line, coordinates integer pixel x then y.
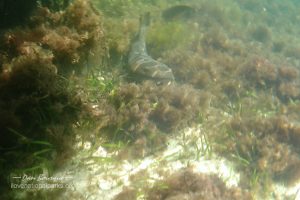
{"type": "Point", "coordinates": [238, 84]}
{"type": "Point", "coordinates": [35, 102]}
{"type": "Point", "coordinates": [186, 184]}
{"type": "Point", "coordinates": [232, 89]}
{"type": "Point", "coordinates": [165, 36]}
{"type": "Point", "coordinates": [292, 51]}
{"type": "Point", "coordinates": [119, 37]}
{"type": "Point", "coordinates": [261, 34]}
{"type": "Point", "coordinates": [145, 111]}
{"type": "Point", "coordinates": [290, 175]}
{"type": "Point", "coordinates": [288, 90]}
{"type": "Point", "coordinates": [127, 193]}
{"type": "Point", "coordinates": [288, 73]}
{"type": "Point", "coordinates": [117, 8]}
{"type": "Point", "coordinates": [262, 148]}
{"type": "Point", "coordinates": [265, 74]}
{"type": "Point", "coordinates": [80, 46]}
{"type": "Point", "coordinates": [218, 13]}
{"type": "Point", "coordinates": [261, 71]}
{"type": "Point", "coordinates": [38, 106]}
{"type": "Point", "coordinates": [215, 39]}
{"type": "Point", "coordinates": [55, 5]}
{"type": "Point", "coordinates": [113, 7]}
{"type": "Point", "coordinates": [74, 36]}
{"type": "Point", "coordinates": [278, 46]}
{"type": "Point", "coordinates": [189, 68]}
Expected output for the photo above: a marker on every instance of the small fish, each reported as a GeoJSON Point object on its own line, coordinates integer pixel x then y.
{"type": "Point", "coordinates": [140, 62]}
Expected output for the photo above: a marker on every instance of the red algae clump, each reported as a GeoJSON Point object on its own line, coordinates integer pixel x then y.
{"type": "Point", "coordinates": [38, 108]}
{"type": "Point", "coordinates": [261, 71]}
{"type": "Point", "coordinates": [73, 35]}
{"type": "Point", "coordinates": [185, 184]}
{"type": "Point", "coordinates": [147, 109]}
{"type": "Point", "coordinates": [265, 145]}
{"type": "Point", "coordinates": [288, 73]}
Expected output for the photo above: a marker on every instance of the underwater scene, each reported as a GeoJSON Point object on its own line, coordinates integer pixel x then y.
{"type": "Point", "coordinates": [150, 99]}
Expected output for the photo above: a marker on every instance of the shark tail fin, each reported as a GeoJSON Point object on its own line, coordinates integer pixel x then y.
{"type": "Point", "coordinates": [144, 23]}
{"type": "Point", "coordinates": [145, 19]}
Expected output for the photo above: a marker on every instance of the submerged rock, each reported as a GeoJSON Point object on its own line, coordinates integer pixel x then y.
{"type": "Point", "coordinates": [178, 12]}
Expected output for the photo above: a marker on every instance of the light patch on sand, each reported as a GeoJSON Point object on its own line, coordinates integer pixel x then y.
{"type": "Point", "coordinates": [98, 174]}
{"type": "Point", "coordinates": [106, 178]}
